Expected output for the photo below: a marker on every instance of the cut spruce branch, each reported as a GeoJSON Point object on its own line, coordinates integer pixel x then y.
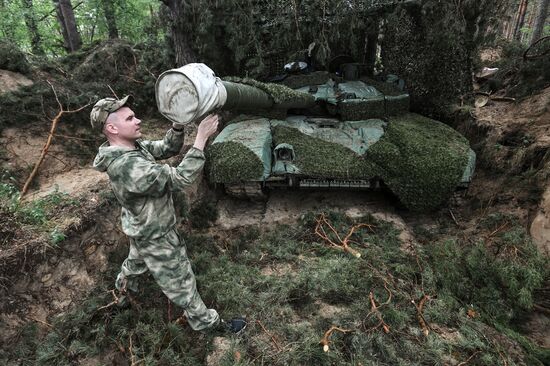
{"type": "Point", "coordinates": [55, 121]}
{"type": "Point", "coordinates": [342, 243]}
{"type": "Point", "coordinates": [375, 310]}
{"type": "Point", "coordinates": [421, 320]}
{"type": "Point", "coordinates": [325, 341]}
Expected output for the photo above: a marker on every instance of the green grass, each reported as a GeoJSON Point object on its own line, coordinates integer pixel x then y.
{"type": "Point", "coordinates": [36, 215]}
{"type": "Point", "coordinates": [288, 281]}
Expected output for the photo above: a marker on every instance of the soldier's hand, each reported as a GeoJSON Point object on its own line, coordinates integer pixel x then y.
{"type": "Point", "coordinates": [207, 128]}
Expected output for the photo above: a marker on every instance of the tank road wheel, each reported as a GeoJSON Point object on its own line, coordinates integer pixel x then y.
{"type": "Point", "coordinates": [251, 190]}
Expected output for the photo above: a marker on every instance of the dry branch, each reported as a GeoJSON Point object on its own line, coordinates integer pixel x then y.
{"type": "Point", "coordinates": [374, 309]}
{"type": "Point", "coordinates": [325, 341]}
{"type": "Point", "coordinates": [469, 358]}
{"type": "Point", "coordinates": [500, 228]}
{"type": "Point", "coordinates": [343, 244]}
{"type": "Point", "coordinates": [423, 324]}
{"type": "Point", "coordinates": [55, 121]}
{"type": "Point", "coordinates": [115, 301]}
{"type": "Point", "coordinates": [40, 321]}
{"type": "Point", "coordinates": [270, 336]}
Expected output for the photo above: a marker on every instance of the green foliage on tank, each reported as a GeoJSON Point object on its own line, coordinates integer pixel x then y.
{"type": "Point", "coordinates": [280, 94]}
{"type": "Point", "coordinates": [232, 162]}
{"type": "Point", "coordinates": [420, 160]}
{"type": "Point", "coordinates": [319, 158]}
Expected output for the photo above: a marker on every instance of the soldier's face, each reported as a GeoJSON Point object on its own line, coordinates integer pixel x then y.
{"type": "Point", "coordinates": [125, 124]}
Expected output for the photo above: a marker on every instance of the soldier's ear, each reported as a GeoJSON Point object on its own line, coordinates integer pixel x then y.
{"type": "Point", "coordinates": [110, 128]}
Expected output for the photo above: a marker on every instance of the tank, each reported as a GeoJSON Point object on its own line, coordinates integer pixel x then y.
{"type": "Point", "coordinates": [323, 131]}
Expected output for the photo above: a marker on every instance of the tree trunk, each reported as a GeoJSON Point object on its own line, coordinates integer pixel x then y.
{"type": "Point", "coordinates": [180, 42]}
{"type": "Point", "coordinates": [65, 15]}
{"type": "Point", "coordinates": [110, 17]}
{"type": "Point", "coordinates": [520, 19]}
{"type": "Point", "coordinates": [540, 20]}
{"type": "Point", "coordinates": [30, 22]}
{"type": "Point", "coordinates": [372, 46]}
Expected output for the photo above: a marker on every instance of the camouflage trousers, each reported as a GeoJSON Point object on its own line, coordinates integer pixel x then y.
{"type": "Point", "coordinates": [166, 258]}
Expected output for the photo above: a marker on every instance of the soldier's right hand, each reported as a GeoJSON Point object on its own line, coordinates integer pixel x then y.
{"type": "Point", "coordinates": [207, 127]}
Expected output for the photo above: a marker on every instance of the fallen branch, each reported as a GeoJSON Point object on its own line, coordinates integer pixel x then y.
{"type": "Point", "coordinates": [374, 309]}
{"type": "Point", "coordinates": [133, 360]}
{"type": "Point", "coordinates": [500, 228]}
{"type": "Point", "coordinates": [270, 336]}
{"type": "Point", "coordinates": [423, 324]}
{"type": "Point", "coordinates": [343, 244]}
{"type": "Point", "coordinates": [541, 309]}
{"type": "Point", "coordinates": [504, 99]}
{"type": "Point", "coordinates": [527, 56]}
{"type": "Point", "coordinates": [325, 341]}
{"type": "Point", "coordinates": [49, 141]}
{"type": "Point", "coordinates": [454, 218]}
{"type": "Point", "coordinates": [40, 321]}
{"type": "Point", "coordinates": [469, 358]}
{"type": "Point", "coordinates": [115, 301]}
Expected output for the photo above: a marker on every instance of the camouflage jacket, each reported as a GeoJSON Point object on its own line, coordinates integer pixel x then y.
{"type": "Point", "coordinates": [144, 187]}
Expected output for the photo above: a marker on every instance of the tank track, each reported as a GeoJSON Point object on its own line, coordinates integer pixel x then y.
{"type": "Point", "coordinates": [252, 191]}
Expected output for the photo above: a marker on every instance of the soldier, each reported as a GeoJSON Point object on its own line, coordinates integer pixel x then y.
{"type": "Point", "coordinates": [144, 189]}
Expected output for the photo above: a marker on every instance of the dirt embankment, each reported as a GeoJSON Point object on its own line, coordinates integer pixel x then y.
{"type": "Point", "coordinates": [512, 140]}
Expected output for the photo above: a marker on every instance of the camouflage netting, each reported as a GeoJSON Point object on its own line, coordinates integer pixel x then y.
{"type": "Point", "coordinates": [420, 160]}
{"type": "Point", "coordinates": [108, 62]}
{"type": "Point", "coordinates": [394, 102]}
{"type": "Point", "coordinates": [12, 59]}
{"type": "Point", "coordinates": [84, 77]}
{"type": "Point", "coordinates": [318, 158]}
{"type": "Point", "coordinates": [385, 88]}
{"type": "Point", "coordinates": [358, 109]}
{"type": "Point", "coordinates": [281, 94]}
{"type": "Point", "coordinates": [428, 47]}
{"type": "Point", "coordinates": [314, 78]}
{"type": "Point", "coordinates": [232, 162]}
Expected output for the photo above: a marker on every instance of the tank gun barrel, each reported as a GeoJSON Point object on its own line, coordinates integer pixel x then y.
{"type": "Point", "coordinates": [191, 91]}
{"type": "Point", "coordinates": [241, 96]}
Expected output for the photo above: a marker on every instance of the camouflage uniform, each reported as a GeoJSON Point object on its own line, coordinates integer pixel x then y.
{"type": "Point", "coordinates": [144, 189]}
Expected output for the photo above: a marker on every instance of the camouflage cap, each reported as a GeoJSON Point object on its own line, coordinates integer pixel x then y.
{"type": "Point", "coordinates": [103, 107]}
